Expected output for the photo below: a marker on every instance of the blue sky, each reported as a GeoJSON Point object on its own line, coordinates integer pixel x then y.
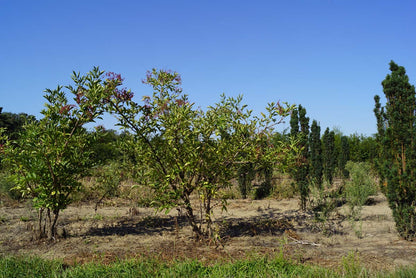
{"type": "Point", "coordinates": [330, 56]}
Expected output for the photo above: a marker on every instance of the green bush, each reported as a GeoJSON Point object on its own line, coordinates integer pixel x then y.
{"type": "Point", "coordinates": [359, 187]}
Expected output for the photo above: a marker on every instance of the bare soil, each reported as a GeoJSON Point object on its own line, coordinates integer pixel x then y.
{"type": "Point", "coordinates": [248, 228]}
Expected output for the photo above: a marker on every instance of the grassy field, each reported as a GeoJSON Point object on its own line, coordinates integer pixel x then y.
{"type": "Point", "coordinates": [258, 267]}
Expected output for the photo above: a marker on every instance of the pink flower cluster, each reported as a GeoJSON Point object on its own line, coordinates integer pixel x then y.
{"type": "Point", "coordinates": [123, 94]}
{"type": "Point", "coordinates": [114, 76]}
{"type": "Point", "coordinates": [120, 94]}
{"type": "Point", "coordinates": [66, 108]}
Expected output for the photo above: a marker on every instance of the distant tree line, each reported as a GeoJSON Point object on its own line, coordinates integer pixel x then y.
{"type": "Point", "coordinates": [12, 123]}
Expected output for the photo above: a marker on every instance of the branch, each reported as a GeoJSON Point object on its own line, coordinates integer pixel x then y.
{"type": "Point", "coordinates": [138, 132]}
{"type": "Point", "coordinates": [303, 242]}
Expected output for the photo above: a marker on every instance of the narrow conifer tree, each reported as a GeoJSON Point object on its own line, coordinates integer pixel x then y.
{"type": "Point", "coordinates": [299, 124]}
{"type": "Point", "coordinates": [294, 123]}
{"type": "Point", "coordinates": [396, 124]}
{"type": "Point", "coordinates": [329, 155]}
{"type": "Point", "coordinates": [315, 154]}
{"type": "Point", "coordinates": [344, 156]}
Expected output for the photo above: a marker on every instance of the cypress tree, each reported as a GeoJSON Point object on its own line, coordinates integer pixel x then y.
{"type": "Point", "coordinates": [315, 154]}
{"type": "Point", "coordinates": [294, 123]}
{"type": "Point", "coordinates": [299, 124]}
{"type": "Point", "coordinates": [344, 156]}
{"type": "Point", "coordinates": [329, 155]}
{"type": "Point", "coordinates": [396, 124]}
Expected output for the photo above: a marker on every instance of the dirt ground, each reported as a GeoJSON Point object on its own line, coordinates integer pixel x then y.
{"type": "Point", "coordinates": [249, 228]}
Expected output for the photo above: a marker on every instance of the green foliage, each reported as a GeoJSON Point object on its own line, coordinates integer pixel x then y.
{"type": "Point", "coordinates": [105, 148]}
{"type": "Point", "coordinates": [344, 155]}
{"type": "Point", "coordinates": [11, 125]}
{"type": "Point", "coordinates": [262, 169]}
{"type": "Point", "coordinates": [51, 155]}
{"type": "Point", "coordinates": [299, 124]}
{"type": "Point", "coordinates": [316, 168]}
{"type": "Point", "coordinates": [187, 150]}
{"type": "Point", "coordinates": [328, 155]}
{"type": "Point", "coordinates": [6, 186]}
{"type": "Point", "coordinates": [323, 151]}
{"type": "Point", "coordinates": [358, 188]}
{"type": "Point", "coordinates": [294, 122]}
{"type": "Point", "coordinates": [396, 123]}
{"type": "Point", "coordinates": [362, 148]}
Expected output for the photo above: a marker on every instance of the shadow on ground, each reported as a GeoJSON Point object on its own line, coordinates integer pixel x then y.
{"type": "Point", "coordinates": [270, 222]}
{"type": "Point", "coordinates": [148, 225]}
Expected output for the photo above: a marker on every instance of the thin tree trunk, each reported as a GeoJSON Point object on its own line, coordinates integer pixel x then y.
{"type": "Point", "coordinates": [41, 230]}
{"type": "Point", "coordinates": [191, 219]}
{"type": "Point", "coordinates": [208, 210]}
{"type": "Point", "coordinates": [50, 233]}
{"type": "Point", "coordinates": [53, 226]}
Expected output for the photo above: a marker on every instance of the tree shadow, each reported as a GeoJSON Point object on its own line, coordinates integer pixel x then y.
{"type": "Point", "coordinates": [269, 222]}
{"type": "Point", "coordinates": [148, 225]}
{"type": "Point", "coordinates": [273, 223]}
{"type": "Point", "coordinates": [237, 227]}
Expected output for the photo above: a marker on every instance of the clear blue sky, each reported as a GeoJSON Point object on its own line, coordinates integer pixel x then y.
{"type": "Point", "coordinates": [330, 56]}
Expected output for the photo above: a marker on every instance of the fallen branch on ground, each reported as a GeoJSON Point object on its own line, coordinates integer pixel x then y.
{"type": "Point", "coordinates": [303, 242]}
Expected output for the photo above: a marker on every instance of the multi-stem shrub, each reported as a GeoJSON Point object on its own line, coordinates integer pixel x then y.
{"type": "Point", "coordinates": [186, 150]}
{"type": "Point", "coordinates": [52, 154]}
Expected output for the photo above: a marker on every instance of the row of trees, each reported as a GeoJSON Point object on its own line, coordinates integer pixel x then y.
{"type": "Point", "coordinates": [324, 157]}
